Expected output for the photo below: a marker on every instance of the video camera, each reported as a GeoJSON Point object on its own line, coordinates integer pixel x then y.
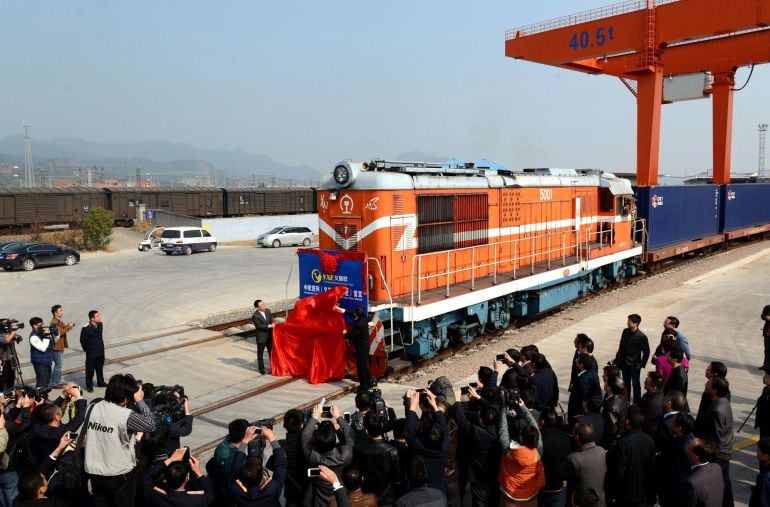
{"type": "Point", "coordinates": [37, 393]}
{"type": "Point", "coordinates": [264, 423]}
{"type": "Point", "coordinates": [377, 404]}
{"type": "Point", "coordinates": [166, 405]}
{"type": "Point", "coordinates": [510, 396]}
{"type": "Point", "coordinates": [8, 325]}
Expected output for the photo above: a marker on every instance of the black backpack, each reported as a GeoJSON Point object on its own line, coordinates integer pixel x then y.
{"type": "Point", "coordinates": [21, 452]}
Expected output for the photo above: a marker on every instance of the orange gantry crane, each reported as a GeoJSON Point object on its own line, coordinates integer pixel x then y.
{"type": "Point", "coordinates": [643, 41]}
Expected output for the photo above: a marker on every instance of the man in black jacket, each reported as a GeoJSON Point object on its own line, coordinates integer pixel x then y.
{"type": "Point", "coordinates": [557, 445]}
{"type": "Point", "coordinates": [296, 465]}
{"type": "Point", "coordinates": [614, 412]}
{"type": "Point", "coordinates": [432, 442]}
{"type": "Point", "coordinates": [92, 342]}
{"type": "Point", "coordinates": [633, 353]}
{"type": "Point", "coordinates": [484, 448]}
{"type": "Point", "coordinates": [587, 386]}
{"type": "Point", "coordinates": [544, 383]}
{"type": "Point", "coordinates": [630, 464]}
{"type": "Point", "coordinates": [717, 427]}
{"type": "Point", "coordinates": [50, 428]}
{"type": "Point", "coordinates": [359, 336]}
{"type": "Point", "coordinates": [377, 460]}
{"type": "Point", "coordinates": [652, 402]}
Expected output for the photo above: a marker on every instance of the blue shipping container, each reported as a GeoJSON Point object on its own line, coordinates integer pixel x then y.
{"type": "Point", "coordinates": [678, 214]}
{"type": "Point", "coordinates": [745, 205]}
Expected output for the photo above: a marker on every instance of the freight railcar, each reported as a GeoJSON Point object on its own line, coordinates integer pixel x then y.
{"type": "Point", "coordinates": [454, 251]}
{"type": "Point", "coordinates": [268, 201]}
{"type": "Point", "coordinates": [27, 206]}
{"type": "Point", "coordinates": [190, 201]}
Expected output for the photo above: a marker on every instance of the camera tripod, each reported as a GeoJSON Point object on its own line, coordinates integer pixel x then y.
{"type": "Point", "coordinates": [15, 364]}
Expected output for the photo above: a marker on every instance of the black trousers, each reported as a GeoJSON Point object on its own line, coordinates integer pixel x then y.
{"type": "Point", "coordinates": [117, 491]}
{"type": "Point", "coordinates": [362, 364]}
{"type": "Point", "coordinates": [767, 352]}
{"type": "Point", "coordinates": [94, 364]}
{"type": "Point", "coordinates": [261, 352]}
{"type": "Point", "coordinates": [727, 499]}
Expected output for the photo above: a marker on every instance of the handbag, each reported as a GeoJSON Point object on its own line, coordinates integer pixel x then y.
{"type": "Point", "coordinates": [71, 466]}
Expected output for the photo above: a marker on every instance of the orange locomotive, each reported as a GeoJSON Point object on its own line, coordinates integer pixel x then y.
{"type": "Point", "coordinates": [453, 250]}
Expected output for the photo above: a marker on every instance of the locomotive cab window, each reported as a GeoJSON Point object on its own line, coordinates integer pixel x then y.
{"type": "Point", "coordinates": [606, 201]}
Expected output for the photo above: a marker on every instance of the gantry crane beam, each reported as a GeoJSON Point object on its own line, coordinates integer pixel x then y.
{"type": "Point", "coordinates": [645, 40]}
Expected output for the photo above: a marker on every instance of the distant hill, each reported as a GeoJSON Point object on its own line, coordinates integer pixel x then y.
{"type": "Point", "coordinates": [155, 156]}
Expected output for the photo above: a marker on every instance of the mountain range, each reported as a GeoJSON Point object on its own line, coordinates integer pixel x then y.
{"type": "Point", "coordinates": [152, 156]}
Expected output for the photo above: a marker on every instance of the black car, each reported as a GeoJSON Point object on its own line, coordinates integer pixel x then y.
{"type": "Point", "coordinates": [28, 256]}
{"type": "Point", "coordinates": [7, 245]}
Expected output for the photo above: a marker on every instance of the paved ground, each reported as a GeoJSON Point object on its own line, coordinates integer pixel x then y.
{"type": "Point", "coordinates": [138, 292]}
{"type": "Point", "coordinates": [720, 315]}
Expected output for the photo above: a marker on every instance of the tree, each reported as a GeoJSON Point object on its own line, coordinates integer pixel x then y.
{"type": "Point", "coordinates": [97, 228]}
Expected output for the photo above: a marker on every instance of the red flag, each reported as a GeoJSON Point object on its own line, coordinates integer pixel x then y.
{"type": "Point", "coordinates": [310, 344]}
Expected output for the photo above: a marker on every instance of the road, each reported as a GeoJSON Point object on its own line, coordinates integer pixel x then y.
{"type": "Point", "coordinates": [138, 292]}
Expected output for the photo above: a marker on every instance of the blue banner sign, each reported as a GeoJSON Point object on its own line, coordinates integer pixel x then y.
{"type": "Point", "coordinates": [320, 270]}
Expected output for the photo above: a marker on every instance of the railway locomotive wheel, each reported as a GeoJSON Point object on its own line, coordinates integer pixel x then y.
{"type": "Point", "coordinates": [70, 260]}
{"type": "Point", "coordinates": [28, 265]}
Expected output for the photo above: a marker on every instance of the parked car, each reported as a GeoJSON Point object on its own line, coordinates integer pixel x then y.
{"type": "Point", "coordinates": [151, 239]}
{"type": "Point", "coordinates": [28, 256]}
{"type": "Point", "coordinates": [282, 236]}
{"type": "Point", "coordinates": [186, 240]}
{"type": "Point", "coordinates": [7, 245]}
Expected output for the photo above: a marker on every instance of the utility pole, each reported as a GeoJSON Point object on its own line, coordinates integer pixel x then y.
{"type": "Point", "coordinates": [29, 174]}
{"type": "Point", "coordinates": [762, 128]}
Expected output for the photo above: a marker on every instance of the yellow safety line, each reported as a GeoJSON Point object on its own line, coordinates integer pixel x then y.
{"type": "Point", "coordinates": [746, 442]}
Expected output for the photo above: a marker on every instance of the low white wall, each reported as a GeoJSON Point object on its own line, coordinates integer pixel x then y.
{"type": "Point", "coordinates": [248, 228]}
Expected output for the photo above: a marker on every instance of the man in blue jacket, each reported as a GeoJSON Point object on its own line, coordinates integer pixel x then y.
{"type": "Point", "coordinates": [41, 351]}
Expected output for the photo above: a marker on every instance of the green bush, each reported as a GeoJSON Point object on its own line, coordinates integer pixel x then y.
{"type": "Point", "coordinates": [97, 229]}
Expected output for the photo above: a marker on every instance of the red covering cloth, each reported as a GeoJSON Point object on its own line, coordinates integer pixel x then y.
{"type": "Point", "coordinates": [310, 344]}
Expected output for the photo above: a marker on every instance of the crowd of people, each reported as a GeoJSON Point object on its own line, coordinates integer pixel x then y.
{"type": "Point", "coordinates": [501, 440]}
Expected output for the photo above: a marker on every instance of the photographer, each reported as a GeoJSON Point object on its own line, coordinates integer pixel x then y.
{"type": "Point", "coordinates": [8, 340]}
{"type": "Point", "coordinates": [228, 457]}
{"type": "Point", "coordinates": [252, 488]}
{"type": "Point", "coordinates": [175, 474]}
{"type": "Point", "coordinates": [432, 442]}
{"type": "Point", "coordinates": [296, 471]}
{"type": "Point", "coordinates": [522, 475]}
{"type": "Point", "coordinates": [18, 424]}
{"type": "Point", "coordinates": [49, 428]}
{"type": "Point", "coordinates": [367, 401]}
{"type": "Point", "coordinates": [35, 486]}
{"type": "Point", "coordinates": [377, 460]}
{"type": "Point", "coordinates": [321, 448]}
{"type": "Point", "coordinates": [41, 351]}
{"type": "Point", "coordinates": [110, 458]}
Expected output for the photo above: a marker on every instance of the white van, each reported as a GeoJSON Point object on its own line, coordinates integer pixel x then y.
{"type": "Point", "coordinates": [186, 240]}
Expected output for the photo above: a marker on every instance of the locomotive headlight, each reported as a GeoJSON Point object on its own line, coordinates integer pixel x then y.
{"type": "Point", "coordinates": [341, 175]}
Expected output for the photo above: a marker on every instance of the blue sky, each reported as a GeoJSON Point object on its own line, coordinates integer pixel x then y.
{"type": "Point", "coordinates": [316, 82]}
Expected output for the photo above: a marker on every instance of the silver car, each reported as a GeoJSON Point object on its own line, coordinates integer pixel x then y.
{"type": "Point", "coordinates": [283, 236]}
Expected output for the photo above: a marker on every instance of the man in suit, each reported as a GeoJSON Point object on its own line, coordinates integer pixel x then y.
{"type": "Point", "coordinates": [585, 468]}
{"type": "Point", "coordinates": [359, 336]}
{"type": "Point", "coordinates": [587, 386]}
{"type": "Point", "coordinates": [717, 427]}
{"type": "Point", "coordinates": [92, 342]}
{"type": "Point", "coordinates": [263, 322]}
{"type": "Point", "coordinates": [704, 486]}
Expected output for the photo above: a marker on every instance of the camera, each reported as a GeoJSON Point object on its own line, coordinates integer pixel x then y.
{"type": "Point", "coordinates": [264, 423]}
{"type": "Point", "coordinates": [500, 358]}
{"type": "Point", "coordinates": [510, 396]}
{"type": "Point", "coordinates": [377, 404]}
{"type": "Point", "coordinates": [49, 330]}
{"type": "Point", "coordinates": [326, 412]}
{"type": "Point", "coordinates": [164, 402]}
{"type": "Point", "coordinates": [8, 325]}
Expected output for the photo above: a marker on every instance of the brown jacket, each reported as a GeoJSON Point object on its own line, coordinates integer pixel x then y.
{"type": "Point", "coordinates": [360, 499]}
{"type": "Point", "coordinates": [61, 343]}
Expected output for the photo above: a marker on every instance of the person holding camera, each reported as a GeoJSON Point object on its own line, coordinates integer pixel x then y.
{"type": "Point", "coordinates": [41, 351]}
{"type": "Point", "coordinates": [111, 434]}
{"type": "Point", "coordinates": [430, 442]}
{"type": "Point", "coordinates": [320, 445]}
{"type": "Point", "coordinates": [35, 488]}
{"type": "Point", "coordinates": [60, 329]}
{"type": "Point", "coordinates": [92, 342]}
{"type": "Point", "coordinates": [8, 340]}
{"type": "Point", "coordinates": [378, 461]}
{"type": "Point", "coordinates": [229, 458]}
{"type": "Point", "coordinates": [50, 428]}
{"type": "Point", "coordinates": [174, 474]}
{"type": "Point", "coordinates": [252, 488]}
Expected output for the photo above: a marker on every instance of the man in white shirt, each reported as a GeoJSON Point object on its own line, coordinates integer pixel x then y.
{"type": "Point", "coordinates": [41, 351]}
